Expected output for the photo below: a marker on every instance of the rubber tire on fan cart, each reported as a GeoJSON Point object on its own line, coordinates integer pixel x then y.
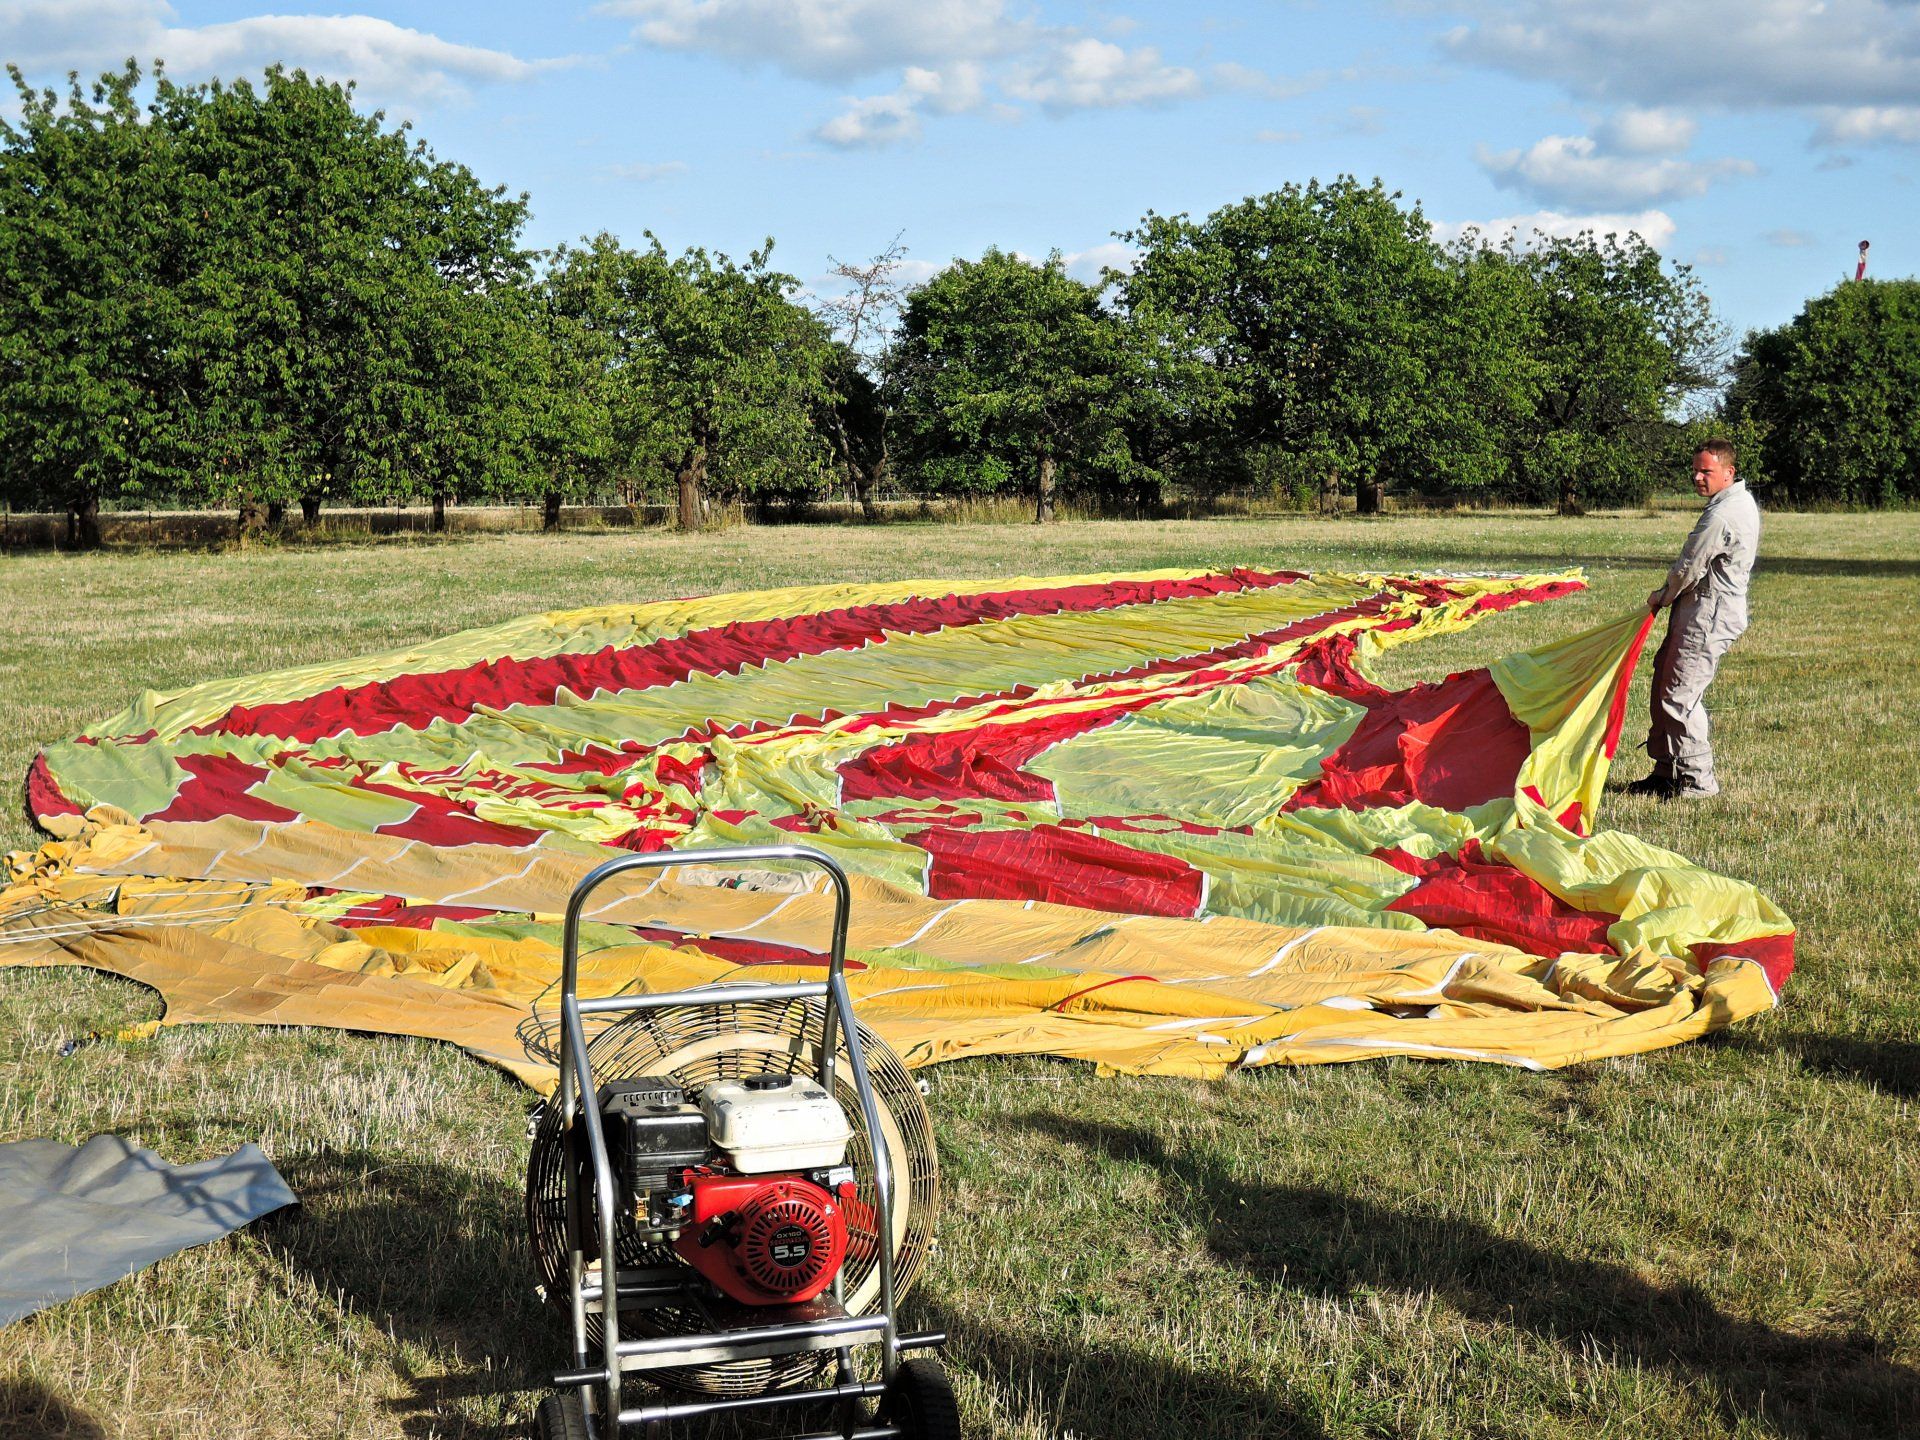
{"type": "Point", "coordinates": [561, 1417]}
{"type": "Point", "coordinates": [920, 1401]}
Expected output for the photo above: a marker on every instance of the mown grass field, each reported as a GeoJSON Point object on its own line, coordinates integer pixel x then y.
{"type": "Point", "coordinates": [1718, 1240]}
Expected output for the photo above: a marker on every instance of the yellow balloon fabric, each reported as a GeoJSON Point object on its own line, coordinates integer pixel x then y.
{"type": "Point", "coordinates": [1164, 821]}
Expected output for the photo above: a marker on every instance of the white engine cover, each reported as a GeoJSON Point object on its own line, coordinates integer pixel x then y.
{"type": "Point", "coordinates": [797, 1126]}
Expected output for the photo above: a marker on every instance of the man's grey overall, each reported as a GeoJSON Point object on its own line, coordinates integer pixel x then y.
{"type": "Point", "coordinates": [1707, 588]}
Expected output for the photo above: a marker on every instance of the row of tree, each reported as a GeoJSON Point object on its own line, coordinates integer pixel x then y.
{"type": "Point", "coordinates": [251, 297]}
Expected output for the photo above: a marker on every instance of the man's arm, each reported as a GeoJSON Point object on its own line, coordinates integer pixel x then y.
{"type": "Point", "coordinates": [1707, 539]}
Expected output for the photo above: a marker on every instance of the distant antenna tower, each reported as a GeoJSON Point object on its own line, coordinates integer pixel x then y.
{"type": "Point", "coordinates": [1860, 270]}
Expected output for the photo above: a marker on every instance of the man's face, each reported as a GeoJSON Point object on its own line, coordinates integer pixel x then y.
{"type": "Point", "coordinates": [1711, 474]}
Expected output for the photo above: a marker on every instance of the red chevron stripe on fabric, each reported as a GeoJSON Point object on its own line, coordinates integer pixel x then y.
{"type": "Point", "coordinates": [979, 764]}
{"type": "Point", "coordinates": [436, 820]}
{"type": "Point", "coordinates": [1489, 900]}
{"type": "Point", "coordinates": [1507, 599]}
{"type": "Point", "coordinates": [1772, 953]}
{"type": "Point", "coordinates": [415, 701]}
{"type": "Point", "coordinates": [44, 797]}
{"type": "Point", "coordinates": [985, 762]}
{"type": "Point", "coordinates": [1061, 866]}
{"type": "Point", "coordinates": [1617, 710]}
{"type": "Point", "coordinates": [1450, 745]}
{"type": "Point", "coordinates": [216, 787]}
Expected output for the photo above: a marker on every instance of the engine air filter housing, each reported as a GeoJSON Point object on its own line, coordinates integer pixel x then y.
{"type": "Point", "coordinates": [775, 1122]}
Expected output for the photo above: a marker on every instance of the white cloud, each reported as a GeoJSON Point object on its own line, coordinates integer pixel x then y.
{"type": "Point", "coordinates": [1091, 264]}
{"type": "Point", "coordinates": [1089, 74]}
{"type": "Point", "coordinates": [1232, 75]}
{"type": "Point", "coordinates": [909, 273]}
{"type": "Point", "coordinates": [1636, 131]}
{"type": "Point", "coordinates": [952, 91]}
{"type": "Point", "coordinates": [949, 56]}
{"type": "Point", "coordinates": [1732, 54]}
{"type": "Point", "coordinates": [872, 122]}
{"type": "Point", "coordinates": [1655, 227]}
{"type": "Point", "coordinates": [1869, 125]}
{"type": "Point", "coordinates": [643, 170]}
{"type": "Point", "coordinates": [1574, 170]}
{"type": "Point", "coordinates": [1789, 239]}
{"type": "Point", "coordinates": [1278, 137]}
{"type": "Point", "coordinates": [875, 120]}
{"type": "Point", "coordinates": [830, 40]}
{"type": "Point", "coordinates": [388, 60]}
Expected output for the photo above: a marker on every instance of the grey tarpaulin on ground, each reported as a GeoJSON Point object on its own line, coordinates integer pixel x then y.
{"type": "Point", "coordinates": [72, 1220]}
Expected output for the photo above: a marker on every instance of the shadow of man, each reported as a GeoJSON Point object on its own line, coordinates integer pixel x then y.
{"type": "Point", "coordinates": [28, 1408]}
{"type": "Point", "coordinates": [1333, 1244]}
{"type": "Point", "coordinates": [435, 1255]}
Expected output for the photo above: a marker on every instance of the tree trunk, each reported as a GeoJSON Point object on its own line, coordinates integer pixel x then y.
{"type": "Point", "coordinates": [550, 512]}
{"type": "Point", "coordinates": [1147, 499]}
{"type": "Point", "coordinates": [251, 519]}
{"type": "Point", "coordinates": [865, 483]}
{"type": "Point", "coordinates": [83, 523]}
{"type": "Point", "coordinates": [692, 471]}
{"type": "Point", "coordinates": [1570, 496]}
{"type": "Point", "coordinates": [276, 513]}
{"type": "Point", "coordinates": [1043, 509]}
{"type": "Point", "coordinates": [310, 510]}
{"type": "Point", "coordinates": [439, 522]}
{"type": "Point", "coordinates": [1330, 493]}
{"type": "Point", "coordinates": [1369, 497]}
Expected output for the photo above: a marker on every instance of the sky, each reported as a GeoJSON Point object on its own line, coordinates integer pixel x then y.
{"type": "Point", "coordinates": [1757, 141]}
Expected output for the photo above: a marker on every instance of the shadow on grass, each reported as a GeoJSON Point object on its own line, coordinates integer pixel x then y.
{"type": "Point", "coordinates": [30, 1409]}
{"type": "Point", "coordinates": [1889, 1066]}
{"type": "Point", "coordinates": [436, 1256]}
{"type": "Point", "coordinates": [1332, 1245]}
{"type": "Point", "coordinates": [1103, 1394]}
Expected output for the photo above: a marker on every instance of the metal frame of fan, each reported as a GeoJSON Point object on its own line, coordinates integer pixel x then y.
{"type": "Point", "coordinates": [656, 1318]}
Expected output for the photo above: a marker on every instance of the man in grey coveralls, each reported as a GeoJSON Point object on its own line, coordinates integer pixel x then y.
{"type": "Point", "coordinates": [1707, 590]}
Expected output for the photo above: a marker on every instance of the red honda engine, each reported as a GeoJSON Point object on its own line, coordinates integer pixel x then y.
{"type": "Point", "coordinates": [765, 1239]}
{"type": "Point", "coordinates": [749, 1186]}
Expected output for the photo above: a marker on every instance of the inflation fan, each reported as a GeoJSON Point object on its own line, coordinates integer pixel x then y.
{"type": "Point", "coordinates": [730, 1192]}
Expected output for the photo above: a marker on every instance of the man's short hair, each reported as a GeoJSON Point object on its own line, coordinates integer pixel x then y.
{"type": "Point", "coordinates": [1723, 449]}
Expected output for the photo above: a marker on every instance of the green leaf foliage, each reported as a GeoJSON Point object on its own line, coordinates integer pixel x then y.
{"type": "Point", "coordinates": [1011, 373]}
{"type": "Point", "coordinates": [714, 376]}
{"type": "Point", "coordinates": [255, 294]}
{"type": "Point", "coordinates": [1835, 394]}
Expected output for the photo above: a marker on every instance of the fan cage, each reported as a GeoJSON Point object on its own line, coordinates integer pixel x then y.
{"type": "Point", "coordinates": [702, 1045]}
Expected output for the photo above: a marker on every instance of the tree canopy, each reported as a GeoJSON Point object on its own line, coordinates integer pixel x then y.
{"type": "Point", "coordinates": [1013, 370]}
{"type": "Point", "coordinates": [261, 294]}
{"type": "Point", "coordinates": [252, 293]}
{"type": "Point", "coordinates": [1834, 395]}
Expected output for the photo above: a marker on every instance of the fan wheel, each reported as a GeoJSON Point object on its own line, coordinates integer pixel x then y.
{"type": "Point", "coordinates": [702, 1045]}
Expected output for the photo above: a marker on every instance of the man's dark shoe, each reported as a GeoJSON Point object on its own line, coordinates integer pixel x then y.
{"type": "Point", "coordinates": [1661, 787]}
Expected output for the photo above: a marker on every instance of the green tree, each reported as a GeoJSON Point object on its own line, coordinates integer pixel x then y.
{"type": "Point", "coordinates": [1010, 368]}
{"type": "Point", "coordinates": [93, 251]}
{"type": "Point", "coordinates": [718, 376]}
{"type": "Point", "coordinates": [1317, 324]}
{"type": "Point", "coordinates": [565, 399]}
{"type": "Point", "coordinates": [245, 295]}
{"type": "Point", "coordinates": [1836, 394]}
{"type": "Point", "coordinates": [1620, 341]}
{"type": "Point", "coordinates": [347, 340]}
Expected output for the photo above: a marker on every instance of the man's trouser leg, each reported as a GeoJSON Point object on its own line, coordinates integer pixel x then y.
{"type": "Point", "coordinates": [1681, 739]}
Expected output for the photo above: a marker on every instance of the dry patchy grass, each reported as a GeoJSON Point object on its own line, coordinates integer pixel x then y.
{"type": "Point", "coordinates": [1712, 1241]}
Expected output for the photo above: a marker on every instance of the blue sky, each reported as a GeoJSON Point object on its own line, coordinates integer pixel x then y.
{"type": "Point", "coordinates": [1757, 140]}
